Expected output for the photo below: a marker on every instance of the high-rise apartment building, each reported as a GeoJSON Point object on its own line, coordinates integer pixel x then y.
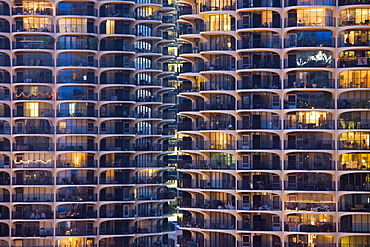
{"type": "Point", "coordinates": [274, 121]}
{"type": "Point", "coordinates": [84, 123]}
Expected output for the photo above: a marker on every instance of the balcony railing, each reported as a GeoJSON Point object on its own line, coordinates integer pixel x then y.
{"type": "Point", "coordinates": [309, 2]}
{"type": "Point", "coordinates": [45, 214]}
{"type": "Point", "coordinates": [260, 205]}
{"type": "Point", "coordinates": [83, 45]}
{"type": "Point", "coordinates": [259, 185]}
{"type": "Point", "coordinates": [85, 96]}
{"type": "Point", "coordinates": [185, 10]}
{"type": "Point", "coordinates": [351, 2]}
{"type": "Point", "coordinates": [71, 28]}
{"type": "Point", "coordinates": [31, 181]}
{"type": "Point", "coordinates": [118, 214]}
{"type": "Point", "coordinates": [347, 123]}
{"type": "Point", "coordinates": [82, 146]}
{"type": "Point", "coordinates": [354, 187]}
{"type": "Point", "coordinates": [156, 196]}
{"type": "Point", "coordinates": [302, 103]}
{"type": "Point", "coordinates": [292, 63]}
{"type": "Point", "coordinates": [41, 146]}
{"type": "Point", "coordinates": [310, 145]}
{"type": "Point", "coordinates": [74, 10]}
{"type": "Point", "coordinates": [260, 64]}
{"type": "Point", "coordinates": [264, 164]}
{"type": "Point", "coordinates": [76, 198]}
{"type": "Point", "coordinates": [351, 21]}
{"type": "Point", "coordinates": [42, 28]}
{"type": "Point", "coordinates": [263, 124]}
{"type": "Point", "coordinates": [20, 10]}
{"type": "Point", "coordinates": [262, 104]}
{"type": "Point", "coordinates": [124, 63]}
{"type": "Point", "coordinates": [217, 26]}
{"type": "Point", "coordinates": [219, 125]}
{"type": "Point", "coordinates": [308, 186]}
{"type": "Point", "coordinates": [74, 164]}
{"type": "Point", "coordinates": [31, 231]}
{"type": "Point", "coordinates": [353, 62]}
{"type": "Point", "coordinates": [137, 147]}
{"type": "Point", "coordinates": [76, 180]}
{"type": "Point", "coordinates": [354, 227]}
{"type": "Point", "coordinates": [353, 144]}
{"type": "Point", "coordinates": [33, 44]}
{"type": "Point", "coordinates": [82, 214]}
{"type": "Point", "coordinates": [213, 145]}
{"type": "Point", "coordinates": [259, 225]}
{"type": "Point", "coordinates": [148, 17]}
{"type": "Point", "coordinates": [125, 12]}
{"type": "Point", "coordinates": [31, 96]}
{"type": "Point", "coordinates": [257, 4]}
{"type": "Point", "coordinates": [132, 131]}
{"type": "Point", "coordinates": [326, 42]}
{"type": "Point", "coordinates": [349, 206]}
{"type": "Point", "coordinates": [33, 198]}
{"type": "Point", "coordinates": [267, 144]}
{"type": "Point", "coordinates": [78, 231]}
{"type": "Point", "coordinates": [119, 163]}
{"type": "Point", "coordinates": [309, 227]}
{"type": "Point", "coordinates": [309, 165]}
{"type": "Point", "coordinates": [84, 80]}
{"type": "Point", "coordinates": [208, 7]}
{"type": "Point", "coordinates": [259, 23]}
{"type": "Point", "coordinates": [354, 103]}
{"type": "Point", "coordinates": [206, 165]}
{"type": "Point", "coordinates": [323, 21]}
{"type": "Point", "coordinates": [328, 124]}
{"type": "Point", "coordinates": [206, 184]}
{"type": "Point", "coordinates": [33, 164]}
{"type": "Point", "coordinates": [76, 62]}
{"type": "Point", "coordinates": [215, 224]}
{"type": "Point", "coordinates": [32, 62]}
{"type": "Point", "coordinates": [120, 181]}
{"type": "Point", "coordinates": [297, 244]}
{"type": "Point", "coordinates": [263, 84]}
{"type": "Point", "coordinates": [81, 113]}
{"type": "Point", "coordinates": [72, 129]}
{"type": "Point", "coordinates": [33, 130]}
{"type": "Point", "coordinates": [260, 43]}
{"type": "Point", "coordinates": [116, 197]}
{"type": "Point", "coordinates": [322, 83]}
{"type": "Point", "coordinates": [41, 79]}
{"type": "Point", "coordinates": [310, 206]}
{"type": "Point", "coordinates": [206, 204]}
{"type": "Point", "coordinates": [344, 42]}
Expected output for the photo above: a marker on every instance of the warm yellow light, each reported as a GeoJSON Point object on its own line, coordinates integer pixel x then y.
{"type": "Point", "coordinates": [63, 125]}
{"type": "Point", "coordinates": [33, 108]}
{"type": "Point", "coordinates": [31, 161]}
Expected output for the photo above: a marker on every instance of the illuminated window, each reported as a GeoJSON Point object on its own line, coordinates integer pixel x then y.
{"type": "Point", "coordinates": [32, 109]}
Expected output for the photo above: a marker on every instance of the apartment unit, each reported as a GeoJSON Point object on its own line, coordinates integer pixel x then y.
{"type": "Point", "coordinates": [274, 123]}
{"type": "Point", "coordinates": [84, 123]}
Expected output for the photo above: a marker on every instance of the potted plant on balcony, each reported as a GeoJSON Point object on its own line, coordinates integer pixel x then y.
{"type": "Point", "coordinates": [328, 97]}
{"type": "Point", "coordinates": [93, 43]}
{"type": "Point", "coordinates": [48, 41]}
